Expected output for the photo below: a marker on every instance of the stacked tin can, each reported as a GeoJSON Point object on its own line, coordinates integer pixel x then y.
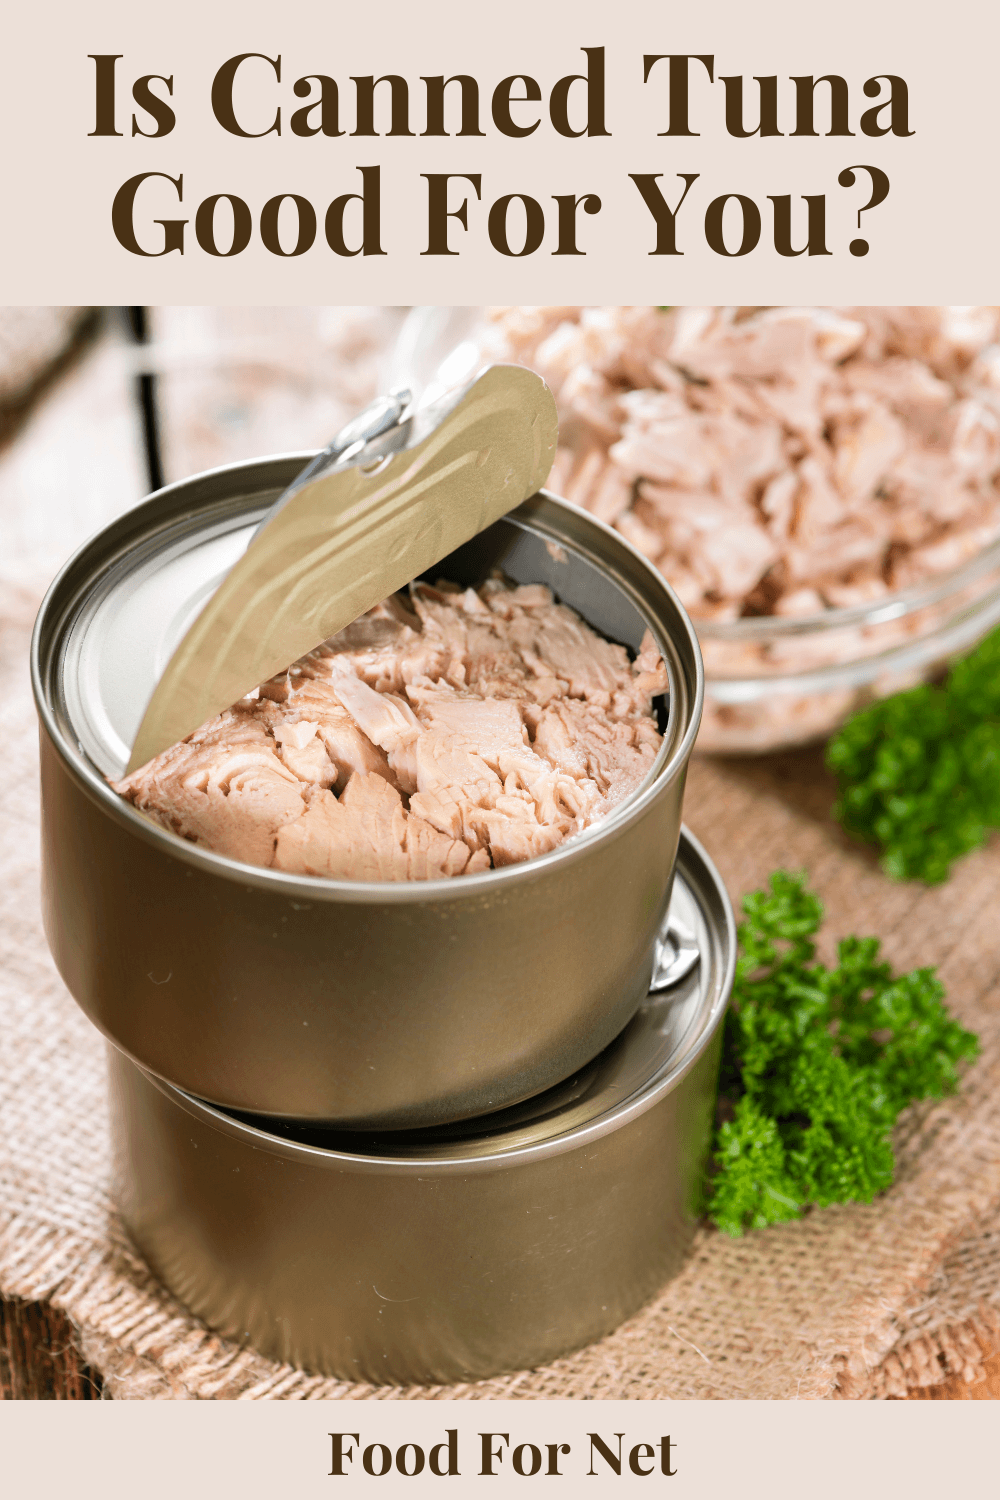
{"type": "Point", "coordinates": [415, 1132]}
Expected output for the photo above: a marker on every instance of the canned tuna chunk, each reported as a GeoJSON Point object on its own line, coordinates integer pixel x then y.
{"type": "Point", "coordinates": [446, 732]}
{"type": "Point", "coordinates": [293, 989]}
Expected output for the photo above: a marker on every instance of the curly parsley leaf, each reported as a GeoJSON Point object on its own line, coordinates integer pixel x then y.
{"type": "Point", "coordinates": [919, 773]}
{"type": "Point", "coordinates": [818, 1063]}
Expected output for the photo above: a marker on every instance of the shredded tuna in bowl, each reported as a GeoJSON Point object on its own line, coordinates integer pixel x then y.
{"type": "Point", "coordinates": [819, 485]}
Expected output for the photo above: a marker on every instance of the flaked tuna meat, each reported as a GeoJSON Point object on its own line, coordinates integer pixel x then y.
{"type": "Point", "coordinates": [613, 756]}
{"type": "Point", "coordinates": [752, 452]}
{"type": "Point", "coordinates": [779, 461]}
{"type": "Point", "coordinates": [304, 753]}
{"type": "Point", "coordinates": [366, 835]}
{"type": "Point", "coordinates": [226, 787]}
{"type": "Point", "coordinates": [445, 733]}
{"type": "Point", "coordinates": [452, 782]}
{"type": "Point", "coordinates": [346, 746]}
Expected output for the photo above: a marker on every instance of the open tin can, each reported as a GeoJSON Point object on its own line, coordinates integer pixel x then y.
{"type": "Point", "coordinates": [365, 1005]}
{"type": "Point", "coordinates": [432, 1256]}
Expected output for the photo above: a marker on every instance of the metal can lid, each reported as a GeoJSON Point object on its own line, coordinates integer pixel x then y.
{"type": "Point", "coordinates": [391, 496]}
{"type": "Point", "coordinates": [136, 611]}
{"type": "Point", "coordinates": [108, 638]}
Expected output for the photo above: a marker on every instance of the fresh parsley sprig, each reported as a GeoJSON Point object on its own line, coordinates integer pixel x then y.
{"type": "Point", "coordinates": [919, 773]}
{"type": "Point", "coordinates": [818, 1063]}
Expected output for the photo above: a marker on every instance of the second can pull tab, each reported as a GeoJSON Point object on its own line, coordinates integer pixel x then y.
{"type": "Point", "coordinates": [395, 492]}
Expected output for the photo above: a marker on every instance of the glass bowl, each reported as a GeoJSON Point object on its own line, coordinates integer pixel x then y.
{"type": "Point", "coordinates": [771, 681]}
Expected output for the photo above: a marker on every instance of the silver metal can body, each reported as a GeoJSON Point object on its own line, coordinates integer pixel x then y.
{"type": "Point", "coordinates": [367, 1005]}
{"type": "Point", "coordinates": [499, 1245]}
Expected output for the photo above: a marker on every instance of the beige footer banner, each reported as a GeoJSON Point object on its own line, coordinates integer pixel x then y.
{"type": "Point", "coordinates": [698, 1449]}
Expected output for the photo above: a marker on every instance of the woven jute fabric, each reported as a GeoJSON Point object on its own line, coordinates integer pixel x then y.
{"type": "Point", "coordinates": [857, 1301]}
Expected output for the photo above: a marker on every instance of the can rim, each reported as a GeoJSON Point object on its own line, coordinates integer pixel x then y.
{"type": "Point", "coordinates": [707, 886]}
{"type": "Point", "coordinates": [471, 887]}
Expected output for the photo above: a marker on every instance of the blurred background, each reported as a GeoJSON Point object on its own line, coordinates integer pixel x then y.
{"type": "Point", "coordinates": [100, 405]}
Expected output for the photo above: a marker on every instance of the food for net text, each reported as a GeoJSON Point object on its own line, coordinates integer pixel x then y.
{"type": "Point", "coordinates": [444, 734]}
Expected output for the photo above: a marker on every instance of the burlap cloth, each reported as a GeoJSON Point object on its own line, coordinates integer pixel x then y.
{"type": "Point", "coordinates": [855, 1301]}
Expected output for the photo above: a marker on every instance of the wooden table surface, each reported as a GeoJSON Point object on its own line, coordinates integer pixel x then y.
{"type": "Point", "coordinates": [39, 1361]}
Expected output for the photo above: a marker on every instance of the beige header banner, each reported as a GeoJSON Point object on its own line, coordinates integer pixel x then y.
{"type": "Point", "coordinates": [524, 152]}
